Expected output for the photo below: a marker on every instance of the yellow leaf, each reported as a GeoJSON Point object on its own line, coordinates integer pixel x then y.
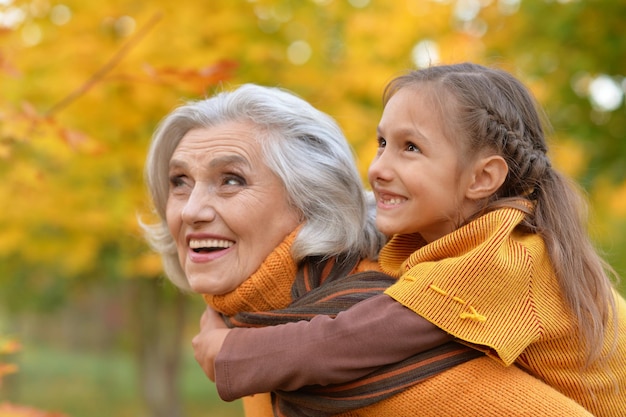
{"type": "Point", "coordinates": [9, 346]}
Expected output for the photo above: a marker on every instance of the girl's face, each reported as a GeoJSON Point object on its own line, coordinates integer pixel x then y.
{"type": "Point", "coordinates": [226, 209]}
{"type": "Point", "coordinates": [417, 173]}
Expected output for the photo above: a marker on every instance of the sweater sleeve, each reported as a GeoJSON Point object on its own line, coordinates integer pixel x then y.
{"type": "Point", "coordinates": [375, 332]}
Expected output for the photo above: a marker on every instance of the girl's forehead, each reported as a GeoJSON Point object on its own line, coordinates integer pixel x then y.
{"type": "Point", "coordinates": [415, 103]}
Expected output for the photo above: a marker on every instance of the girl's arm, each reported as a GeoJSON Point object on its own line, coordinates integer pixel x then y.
{"type": "Point", "coordinates": [375, 332]}
{"type": "Point", "coordinates": [207, 343]}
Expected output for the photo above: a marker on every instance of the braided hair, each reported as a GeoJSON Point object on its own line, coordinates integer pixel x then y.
{"type": "Point", "coordinates": [488, 110]}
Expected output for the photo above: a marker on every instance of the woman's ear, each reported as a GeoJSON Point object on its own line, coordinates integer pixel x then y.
{"type": "Point", "coordinates": [489, 174]}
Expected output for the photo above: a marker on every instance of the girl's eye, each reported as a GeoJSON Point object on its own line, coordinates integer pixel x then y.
{"type": "Point", "coordinates": [412, 148]}
{"type": "Point", "coordinates": [382, 142]}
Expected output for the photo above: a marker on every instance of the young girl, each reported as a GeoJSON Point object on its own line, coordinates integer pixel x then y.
{"type": "Point", "coordinates": [488, 244]}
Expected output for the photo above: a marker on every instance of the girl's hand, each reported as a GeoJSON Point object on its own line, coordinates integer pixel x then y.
{"type": "Point", "coordinates": [207, 343]}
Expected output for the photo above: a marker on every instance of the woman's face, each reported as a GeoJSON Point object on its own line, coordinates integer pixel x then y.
{"type": "Point", "coordinates": [226, 209]}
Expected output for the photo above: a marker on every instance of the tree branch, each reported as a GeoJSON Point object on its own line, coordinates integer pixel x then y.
{"type": "Point", "coordinates": [106, 68]}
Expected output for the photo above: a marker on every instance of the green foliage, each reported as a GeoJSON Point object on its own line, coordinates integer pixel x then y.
{"type": "Point", "coordinates": [79, 379]}
{"type": "Point", "coordinates": [567, 47]}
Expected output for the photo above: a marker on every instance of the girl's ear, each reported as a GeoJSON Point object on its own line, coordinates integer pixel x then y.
{"type": "Point", "coordinates": [489, 174]}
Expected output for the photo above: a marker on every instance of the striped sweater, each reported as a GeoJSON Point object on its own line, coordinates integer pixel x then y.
{"type": "Point", "coordinates": [495, 289]}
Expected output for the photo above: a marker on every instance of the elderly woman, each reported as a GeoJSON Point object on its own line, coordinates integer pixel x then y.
{"type": "Point", "coordinates": [263, 212]}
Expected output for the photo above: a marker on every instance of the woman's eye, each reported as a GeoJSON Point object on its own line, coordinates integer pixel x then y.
{"type": "Point", "coordinates": [234, 180]}
{"type": "Point", "coordinates": [382, 142]}
{"type": "Point", "coordinates": [177, 181]}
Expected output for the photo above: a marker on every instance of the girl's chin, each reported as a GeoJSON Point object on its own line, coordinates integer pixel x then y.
{"type": "Point", "coordinates": [386, 229]}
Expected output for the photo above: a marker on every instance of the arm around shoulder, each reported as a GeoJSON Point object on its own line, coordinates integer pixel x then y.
{"type": "Point", "coordinates": [375, 332]}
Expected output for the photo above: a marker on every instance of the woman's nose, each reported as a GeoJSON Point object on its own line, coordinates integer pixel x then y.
{"type": "Point", "coordinates": [199, 207]}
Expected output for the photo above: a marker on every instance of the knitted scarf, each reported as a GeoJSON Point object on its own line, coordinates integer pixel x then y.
{"type": "Point", "coordinates": [269, 288]}
{"type": "Point", "coordinates": [326, 286]}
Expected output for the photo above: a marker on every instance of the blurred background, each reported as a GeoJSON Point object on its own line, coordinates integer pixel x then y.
{"type": "Point", "coordinates": [89, 327]}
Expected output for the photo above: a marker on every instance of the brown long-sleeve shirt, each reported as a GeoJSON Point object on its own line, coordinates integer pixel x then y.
{"type": "Point", "coordinates": [326, 350]}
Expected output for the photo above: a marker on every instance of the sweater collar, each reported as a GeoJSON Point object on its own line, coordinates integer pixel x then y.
{"type": "Point", "coordinates": [269, 288]}
{"type": "Point", "coordinates": [402, 252]}
{"type": "Point", "coordinates": [397, 250]}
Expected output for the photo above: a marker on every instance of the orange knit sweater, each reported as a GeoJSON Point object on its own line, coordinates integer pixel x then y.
{"type": "Point", "coordinates": [476, 388]}
{"type": "Point", "coordinates": [495, 288]}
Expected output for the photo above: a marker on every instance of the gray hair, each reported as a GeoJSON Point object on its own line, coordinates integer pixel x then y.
{"type": "Point", "coordinates": [303, 146]}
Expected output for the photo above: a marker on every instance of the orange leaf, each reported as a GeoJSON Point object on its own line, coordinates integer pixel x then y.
{"type": "Point", "coordinates": [7, 369]}
{"type": "Point", "coordinates": [14, 410]}
{"type": "Point", "coordinates": [198, 79]}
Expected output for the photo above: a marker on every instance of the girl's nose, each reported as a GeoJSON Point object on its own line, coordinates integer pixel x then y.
{"type": "Point", "coordinates": [199, 206]}
{"type": "Point", "coordinates": [380, 169]}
